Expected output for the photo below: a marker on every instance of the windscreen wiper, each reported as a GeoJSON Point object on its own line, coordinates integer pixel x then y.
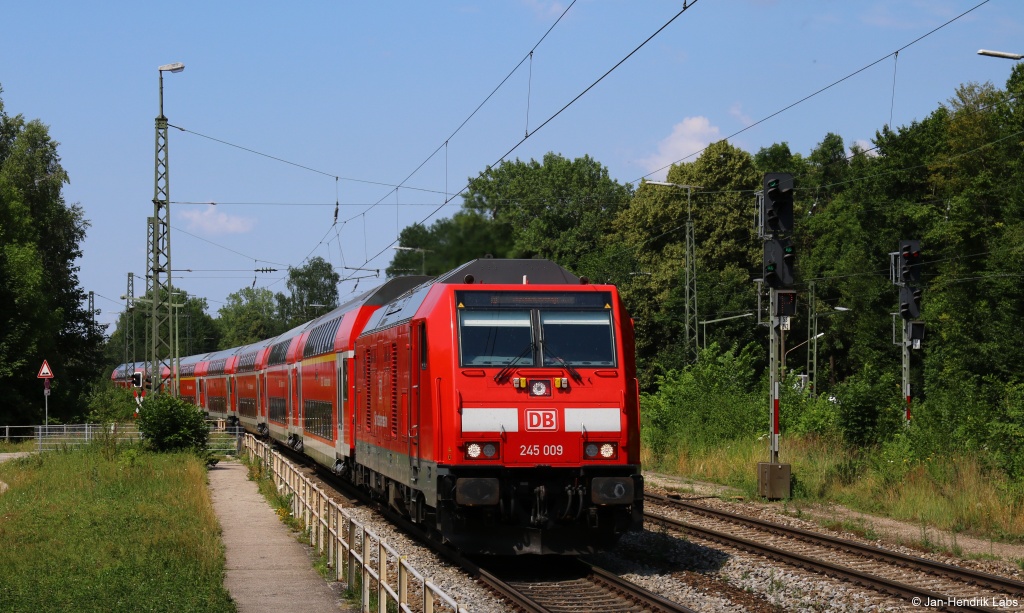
{"type": "Point", "coordinates": [504, 372]}
{"type": "Point", "coordinates": [575, 374]}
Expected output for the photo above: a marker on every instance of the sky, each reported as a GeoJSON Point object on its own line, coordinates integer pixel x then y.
{"type": "Point", "coordinates": [387, 109]}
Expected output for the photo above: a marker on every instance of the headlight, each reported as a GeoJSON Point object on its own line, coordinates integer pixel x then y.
{"type": "Point", "coordinates": [482, 451]}
{"type": "Point", "coordinates": [606, 451]}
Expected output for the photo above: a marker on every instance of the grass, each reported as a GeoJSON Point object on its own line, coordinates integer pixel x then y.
{"type": "Point", "coordinates": [858, 527]}
{"type": "Point", "coordinates": [17, 446]}
{"type": "Point", "coordinates": [956, 494]}
{"type": "Point", "coordinates": [90, 530]}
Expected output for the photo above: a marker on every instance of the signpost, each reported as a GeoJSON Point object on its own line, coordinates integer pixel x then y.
{"type": "Point", "coordinates": [46, 374]}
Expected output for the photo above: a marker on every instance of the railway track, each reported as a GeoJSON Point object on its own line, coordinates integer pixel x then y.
{"type": "Point", "coordinates": [574, 586]}
{"type": "Point", "coordinates": [917, 580]}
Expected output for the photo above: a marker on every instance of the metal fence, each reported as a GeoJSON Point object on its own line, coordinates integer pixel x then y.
{"type": "Point", "coordinates": [360, 557]}
{"type": "Point", "coordinates": [224, 439]}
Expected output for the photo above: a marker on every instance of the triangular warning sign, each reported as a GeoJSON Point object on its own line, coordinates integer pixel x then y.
{"type": "Point", "coordinates": [44, 371]}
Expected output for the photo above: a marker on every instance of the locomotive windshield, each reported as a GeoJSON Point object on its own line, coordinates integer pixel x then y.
{"type": "Point", "coordinates": [536, 328]}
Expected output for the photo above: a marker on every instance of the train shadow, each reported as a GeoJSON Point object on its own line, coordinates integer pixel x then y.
{"type": "Point", "coordinates": [656, 551]}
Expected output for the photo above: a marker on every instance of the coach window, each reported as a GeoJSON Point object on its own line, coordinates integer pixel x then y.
{"type": "Point", "coordinates": [344, 380]}
{"type": "Point", "coordinates": [495, 338]}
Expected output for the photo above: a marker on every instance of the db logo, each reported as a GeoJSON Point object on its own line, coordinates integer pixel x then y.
{"type": "Point", "coordinates": [541, 419]}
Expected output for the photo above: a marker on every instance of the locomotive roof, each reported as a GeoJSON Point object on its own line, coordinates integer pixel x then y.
{"type": "Point", "coordinates": [483, 271]}
{"type": "Point", "coordinates": [382, 294]}
{"type": "Point", "coordinates": [501, 271]}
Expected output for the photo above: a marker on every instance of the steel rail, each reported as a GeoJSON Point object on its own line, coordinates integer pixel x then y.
{"type": "Point", "coordinates": [875, 582]}
{"type": "Point", "coordinates": [1006, 585]}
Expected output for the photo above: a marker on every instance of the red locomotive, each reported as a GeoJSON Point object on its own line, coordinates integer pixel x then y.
{"type": "Point", "coordinates": [496, 405]}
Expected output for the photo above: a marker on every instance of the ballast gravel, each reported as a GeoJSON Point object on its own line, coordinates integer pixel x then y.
{"type": "Point", "coordinates": [703, 576]}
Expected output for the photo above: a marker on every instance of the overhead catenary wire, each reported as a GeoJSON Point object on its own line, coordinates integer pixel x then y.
{"type": "Point", "coordinates": [686, 6]}
{"type": "Point", "coordinates": [892, 101]}
{"type": "Point", "coordinates": [823, 89]}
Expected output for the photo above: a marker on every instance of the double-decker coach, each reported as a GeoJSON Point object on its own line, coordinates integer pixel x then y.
{"type": "Point", "coordinates": [248, 385]}
{"type": "Point", "coordinates": [188, 388]}
{"type": "Point", "coordinates": [212, 375]}
{"type": "Point", "coordinates": [323, 377]}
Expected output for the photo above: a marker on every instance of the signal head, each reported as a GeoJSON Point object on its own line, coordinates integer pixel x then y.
{"type": "Point", "coordinates": [777, 216]}
{"type": "Point", "coordinates": [779, 260]}
{"type": "Point", "coordinates": [910, 261]}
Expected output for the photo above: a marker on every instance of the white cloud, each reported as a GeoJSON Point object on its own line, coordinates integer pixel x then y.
{"type": "Point", "coordinates": [211, 221]}
{"type": "Point", "coordinates": [545, 10]}
{"type": "Point", "coordinates": [736, 111]}
{"type": "Point", "coordinates": [867, 146]}
{"type": "Point", "coordinates": [688, 137]}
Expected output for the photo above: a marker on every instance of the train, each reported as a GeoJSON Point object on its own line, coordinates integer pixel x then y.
{"type": "Point", "coordinates": [496, 405]}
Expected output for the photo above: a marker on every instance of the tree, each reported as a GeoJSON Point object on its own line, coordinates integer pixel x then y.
{"type": "Point", "coordinates": [557, 209]}
{"type": "Point", "coordinates": [726, 252]}
{"type": "Point", "coordinates": [197, 331]}
{"type": "Point", "coordinates": [41, 301]}
{"type": "Point", "coordinates": [250, 315]}
{"type": "Point", "coordinates": [313, 290]}
{"type": "Point", "coordinates": [450, 242]}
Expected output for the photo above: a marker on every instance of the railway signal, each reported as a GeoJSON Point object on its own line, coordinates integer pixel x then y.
{"type": "Point", "coordinates": [910, 302]}
{"type": "Point", "coordinates": [905, 270]}
{"type": "Point", "coordinates": [910, 261]}
{"type": "Point", "coordinates": [775, 205]}
{"type": "Point", "coordinates": [778, 203]}
{"type": "Point", "coordinates": [779, 257]}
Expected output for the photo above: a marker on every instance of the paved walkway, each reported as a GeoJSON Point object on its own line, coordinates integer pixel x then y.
{"type": "Point", "coordinates": [268, 569]}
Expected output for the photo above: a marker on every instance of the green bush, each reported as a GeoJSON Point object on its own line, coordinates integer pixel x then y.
{"type": "Point", "coordinates": [109, 403]}
{"type": "Point", "coordinates": [715, 400]}
{"type": "Point", "coordinates": [870, 409]}
{"type": "Point", "coordinates": [171, 424]}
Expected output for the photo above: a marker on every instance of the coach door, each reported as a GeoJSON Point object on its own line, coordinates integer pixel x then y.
{"type": "Point", "coordinates": [297, 396]}
{"type": "Point", "coordinates": [341, 380]}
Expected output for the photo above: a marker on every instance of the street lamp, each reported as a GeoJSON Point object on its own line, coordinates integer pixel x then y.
{"type": "Point", "coordinates": [690, 295]}
{"type": "Point", "coordinates": [704, 325]}
{"type": "Point", "coordinates": [782, 375]}
{"type": "Point", "coordinates": [1002, 54]}
{"type": "Point", "coordinates": [423, 258]}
